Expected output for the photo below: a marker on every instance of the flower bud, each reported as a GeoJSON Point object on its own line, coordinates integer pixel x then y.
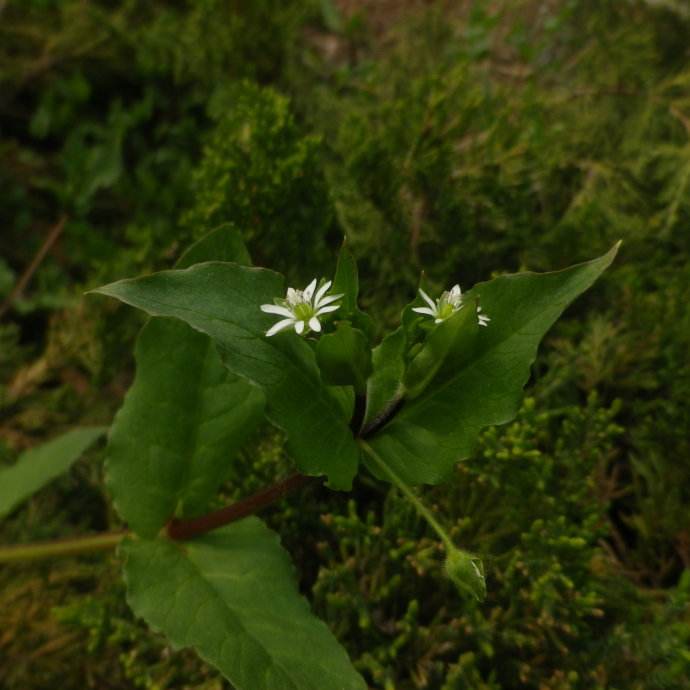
{"type": "Point", "coordinates": [467, 572]}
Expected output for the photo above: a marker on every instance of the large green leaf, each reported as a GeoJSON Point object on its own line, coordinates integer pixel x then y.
{"type": "Point", "coordinates": [223, 300]}
{"type": "Point", "coordinates": [184, 418]}
{"type": "Point", "coordinates": [232, 596]}
{"type": "Point", "coordinates": [37, 467]}
{"type": "Point", "coordinates": [483, 371]}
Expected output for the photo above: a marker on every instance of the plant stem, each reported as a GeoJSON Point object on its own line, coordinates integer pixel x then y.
{"type": "Point", "coordinates": [61, 547]}
{"type": "Point", "coordinates": [176, 529]}
{"type": "Point", "coordinates": [409, 494]}
{"type": "Point", "coordinates": [181, 530]}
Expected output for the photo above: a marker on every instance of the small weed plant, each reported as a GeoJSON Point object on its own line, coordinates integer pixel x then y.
{"type": "Point", "coordinates": [229, 347]}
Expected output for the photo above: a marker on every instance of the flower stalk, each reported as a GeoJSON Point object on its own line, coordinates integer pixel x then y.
{"type": "Point", "coordinates": [464, 569]}
{"type": "Point", "coordinates": [421, 509]}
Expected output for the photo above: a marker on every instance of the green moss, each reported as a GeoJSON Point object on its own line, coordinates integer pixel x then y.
{"type": "Point", "coordinates": [260, 172]}
{"type": "Point", "coordinates": [533, 502]}
{"type": "Point", "coordinates": [459, 142]}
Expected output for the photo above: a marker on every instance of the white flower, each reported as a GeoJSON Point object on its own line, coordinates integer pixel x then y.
{"type": "Point", "coordinates": [446, 305]}
{"type": "Point", "coordinates": [302, 308]}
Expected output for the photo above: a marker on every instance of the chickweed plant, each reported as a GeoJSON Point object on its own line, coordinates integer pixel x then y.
{"type": "Point", "coordinates": [228, 346]}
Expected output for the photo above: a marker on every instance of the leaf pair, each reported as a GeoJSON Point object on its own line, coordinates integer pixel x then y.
{"type": "Point", "coordinates": [422, 414]}
{"type": "Point", "coordinates": [230, 594]}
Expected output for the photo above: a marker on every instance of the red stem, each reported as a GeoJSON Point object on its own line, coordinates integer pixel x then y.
{"type": "Point", "coordinates": [176, 529]}
{"type": "Point", "coordinates": [181, 530]}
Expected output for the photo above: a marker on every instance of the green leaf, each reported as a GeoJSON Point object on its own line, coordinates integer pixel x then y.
{"type": "Point", "coordinates": [223, 300]}
{"type": "Point", "coordinates": [453, 337]}
{"type": "Point", "coordinates": [344, 396]}
{"type": "Point", "coordinates": [225, 243]}
{"type": "Point", "coordinates": [232, 596]}
{"type": "Point", "coordinates": [384, 387]}
{"type": "Point", "coordinates": [37, 467]}
{"type": "Point", "coordinates": [346, 282]}
{"type": "Point", "coordinates": [344, 357]}
{"type": "Point", "coordinates": [183, 420]}
{"type": "Point", "coordinates": [481, 378]}
{"type": "Point", "coordinates": [185, 416]}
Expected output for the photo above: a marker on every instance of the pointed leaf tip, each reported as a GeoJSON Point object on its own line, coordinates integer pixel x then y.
{"type": "Point", "coordinates": [480, 381]}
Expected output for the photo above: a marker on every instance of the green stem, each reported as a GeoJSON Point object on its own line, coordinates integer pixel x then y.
{"type": "Point", "coordinates": [409, 494]}
{"type": "Point", "coordinates": [61, 547]}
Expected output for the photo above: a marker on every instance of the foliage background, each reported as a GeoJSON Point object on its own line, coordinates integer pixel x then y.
{"type": "Point", "coordinates": [462, 138]}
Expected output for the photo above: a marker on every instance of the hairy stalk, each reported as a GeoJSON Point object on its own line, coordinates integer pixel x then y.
{"type": "Point", "coordinates": [423, 511]}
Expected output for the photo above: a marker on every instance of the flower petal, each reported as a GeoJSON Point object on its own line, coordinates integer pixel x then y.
{"type": "Point", "coordinates": [326, 300]}
{"type": "Point", "coordinates": [299, 327]}
{"type": "Point", "coordinates": [424, 310]}
{"type": "Point", "coordinates": [275, 309]}
{"type": "Point", "coordinates": [280, 326]}
{"type": "Point", "coordinates": [427, 299]}
{"type": "Point", "coordinates": [327, 310]}
{"type": "Point", "coordinates": [321, 292]}
{"type": "Point", "coordinates": [314, 324]}
{"type": "Point", "coordinates": [309, 290]}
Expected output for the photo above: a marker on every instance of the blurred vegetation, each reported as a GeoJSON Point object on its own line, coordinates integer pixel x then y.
{"type": "Point", "coordinates": [461, 138]}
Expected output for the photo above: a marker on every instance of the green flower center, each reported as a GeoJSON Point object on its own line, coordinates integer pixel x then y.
{"type": "Point", "coordinates": [445, 310]}
{"type": "Point", "coordinates": [303, 311]}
